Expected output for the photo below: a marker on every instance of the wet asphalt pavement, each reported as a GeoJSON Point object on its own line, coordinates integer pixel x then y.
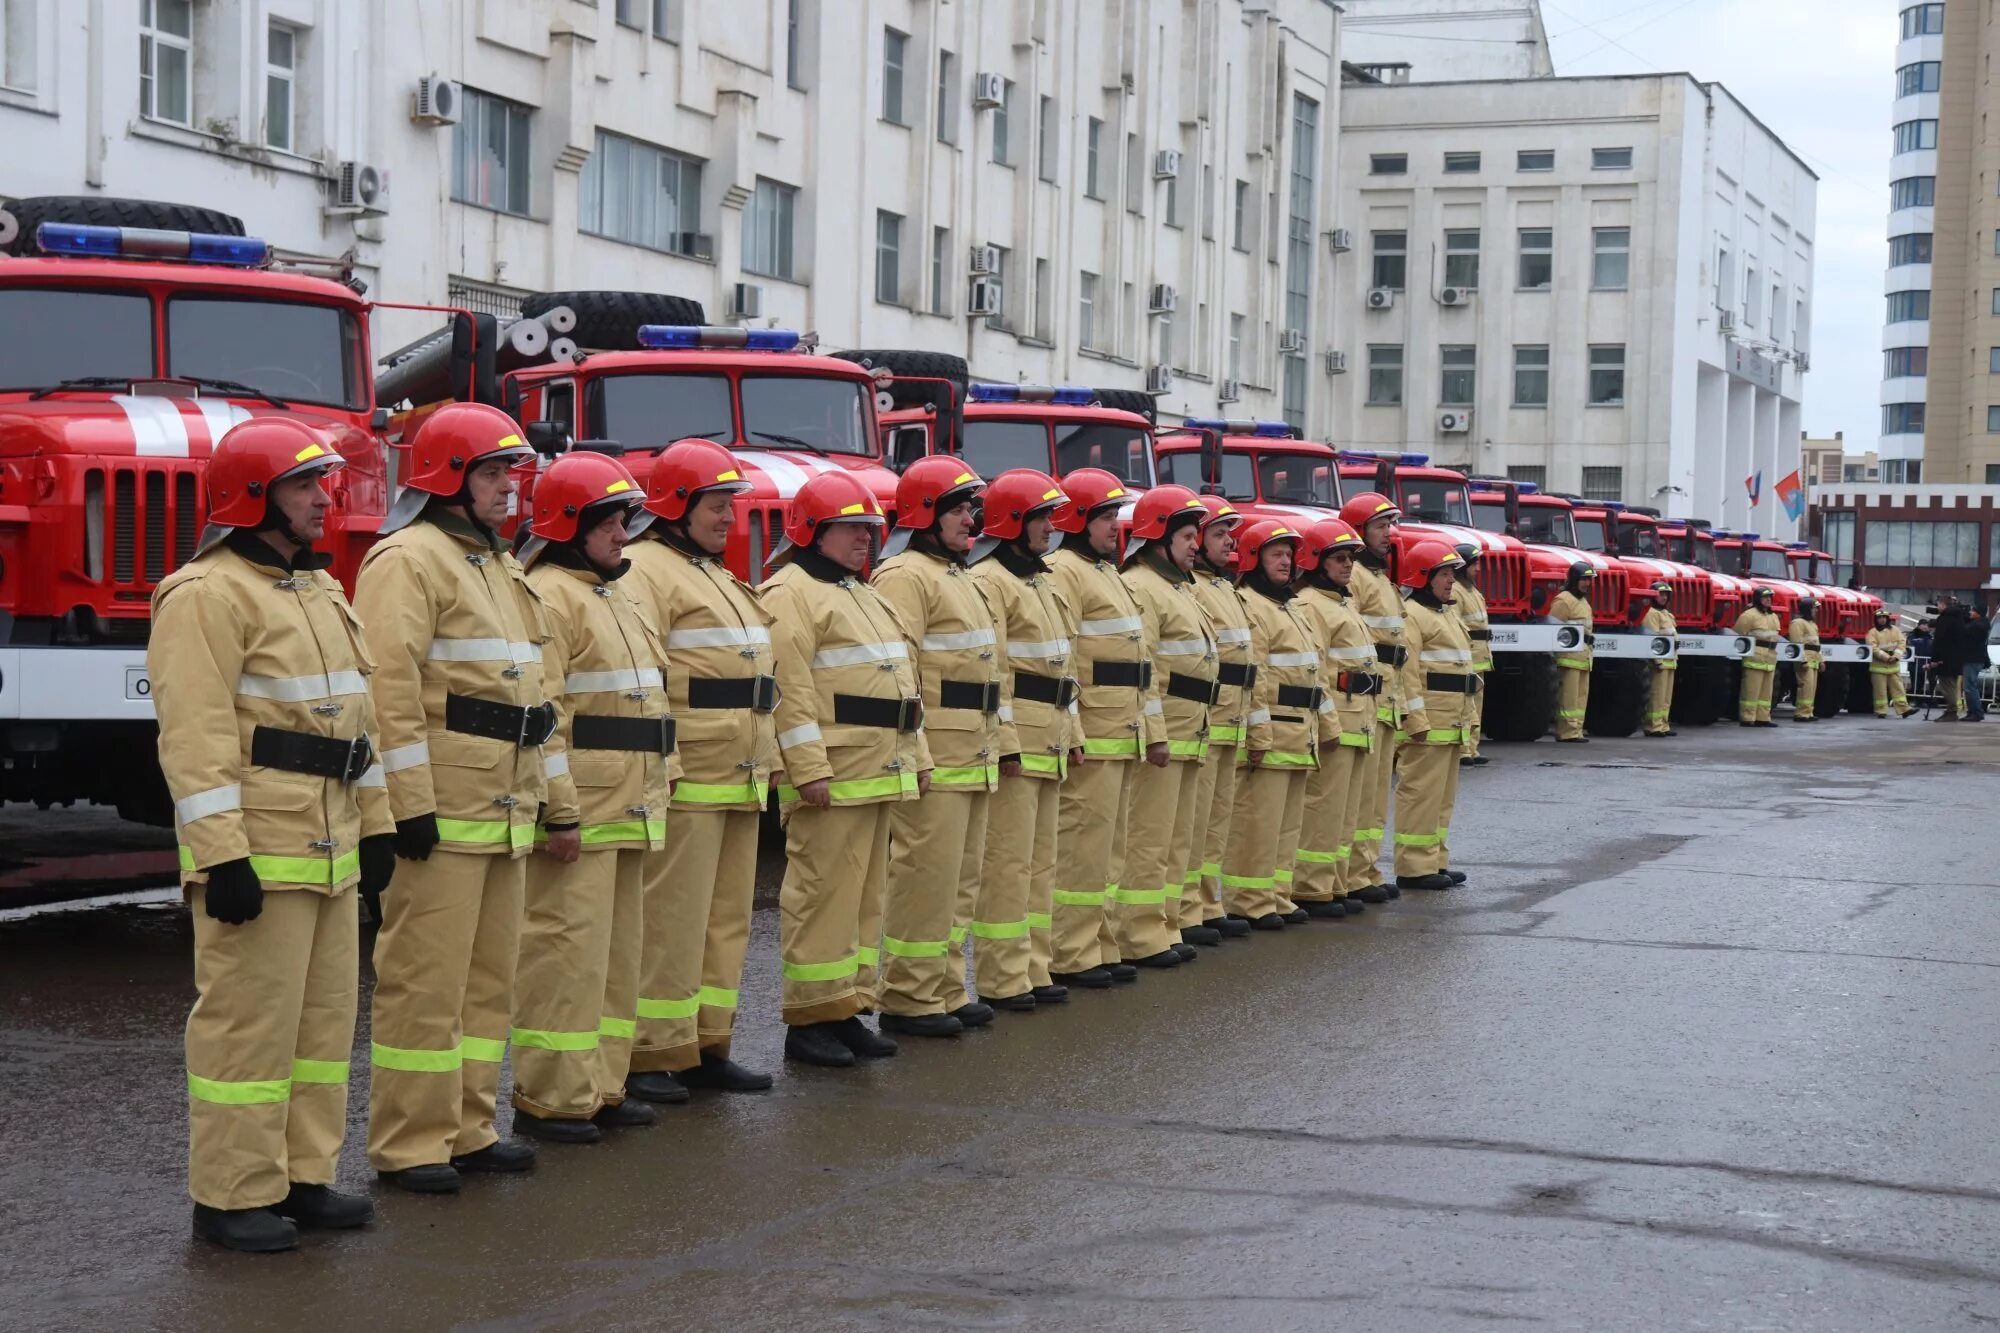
{"type": "Point", "coordinates": [1711, 1040]}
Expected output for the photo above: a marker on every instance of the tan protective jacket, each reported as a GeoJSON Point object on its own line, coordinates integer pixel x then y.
{"type": "Point", "coordinates": [1184, 646]}
{"type": "Point", "coordinates": [1440, 660]}
{"type": "Point", "coordinates": [1380, 605]}
{"type": "Point", "coordinates": [1353, 675]}
{"type": "Point", "coordinates": [1110, 639]}
{"type": "Point", "coordinates": [1222, 603]}
{"type": "Point", "coordinates": [1283, 726]}
{"type": "Point", "coordinates": [1469, 605]}
{"type": "Point", "coordinates": [716, 630]}
{"type": "Point", "coordinates": [1762, 626]}
{"type": "Point", "coordinates": [834, 639]}
{"type": "Point", "coordinates": [1805, 633]}
{"type": "Point", "coordinates": [446, 613]}
{"type": "Point", "coordinates": [1032, 622]}
{"type": "Point", "coordinates": [238, 644]}
{"type": "Point", "coordinates": [1885, 651]}
{"type": "Point", "coordinates": [958, 653]}
{"type": "Point", "coordinates": [603, 660]}
{"type": "Point", "coordinates": [1657, 620]}
{"type": "Point", "coordinates": [1570, 609]}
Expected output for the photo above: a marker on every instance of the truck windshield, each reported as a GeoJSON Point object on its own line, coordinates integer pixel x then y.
{"type": "Point", "coordinates": [991, 447]}
{"type": "Point", "coordinates": [1435, 500]}
{"type": "Point", "coordinates": [1298, 478]}
{"type": "Point", "coordinates": [1547, 525]}
{"type": "Point", "coordinates": [1184, 468]}
{"type": "Point", "coordinates": [651, 411]}
{"type": "Point", "coordinates": [1640, 539]}
{"type": "Point", "coordinates": [293, 350]}
{"type": "Point", "coordinates": [1489, 518]}
{"type": "Point", "coordinates": [805, 411]}
{"type": "Point", "coordinates": [1122, 451]}
{"type": "Point", "coordinates": [1812, 569]}
{"type": "Point", "coordinates": [1589, 534]}
{"type": "Point", "coordinates": [1768, 564]}
{"type": "Point", "coordinates": [49, 334]}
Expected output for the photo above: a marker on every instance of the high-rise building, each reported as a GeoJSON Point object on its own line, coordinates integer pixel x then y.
{"type": "Point", "coordinates": [1913, 233]}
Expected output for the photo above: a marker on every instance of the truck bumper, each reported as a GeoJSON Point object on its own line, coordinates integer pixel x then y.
{"type": "Point", "coordinates": [75, 685]}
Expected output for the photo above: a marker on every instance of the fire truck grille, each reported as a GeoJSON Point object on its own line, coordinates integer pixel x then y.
{"type": "Point", "coordinates": [1608, 603]}
{"type": "Point", "coordinates": [1503, 581]}
{"type": "Point", "coordinates": [154, 519]}
{"type": "Point", "coordinates": [1691, 601]}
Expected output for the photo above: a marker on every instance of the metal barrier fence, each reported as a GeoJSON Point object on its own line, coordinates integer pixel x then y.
{"type": "Point", "coordinates": [1922, 680]}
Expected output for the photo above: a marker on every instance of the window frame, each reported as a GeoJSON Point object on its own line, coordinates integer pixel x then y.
{"type": "Point", "coordinates": [1093, 159]}
{"type": "Point", "coordinates": [276, 74]}
{"type": "Point", "coordinates": [895, 61]}
{"type": "Point", "coordinates": [1534, 371]}
{"type": "Point", "coordinates": [1457, 256]}
{"type": "Point", "coordinates": [1086, 309]}
{"type": "Point", "coordinates": [1910, 299]}
{"type": "Point", "coordinates": [1388, 164]}
{"type": "Point", "coordinates": [1458, 362]}
{"type": "Point", "coordinates": [1387, 366]}
{"type": "Point", "coordinates": [152, 37]}
{"type": "Point", "coordinates": [783, 222]}
{"type": "Point", "coordinates": [686, 210]}
{"type": "Point", "coordinates": [1600, 252]}
{"type": "Point", "coordinates": [1524, 251]}
{"type": "Point", "coordinates": [1909, 357]}
{"type": "Point", "coordinates": [1003, 126]}
{"type": "Point", "coordinates": [476, 107]}
{"type": "Point", "coordinates": [1048, 140]}
{"type": "Point", "coordinates": [1910, 84]}
{"type": "Point", "coordinates": [1521, 159]}
{"type": "Point", "coordinates": [1903, 419]}
{"type": "Point", "coordinates": [1916, 142]}
{"type": "Point", "coordinates": [1912, 192]}
{"type": "Point", "coordinates": [1461, 162]}
{"type": "Point", "coordinates": [1929, 247]}
{"type": "Point", "coordinates": [1400, 256]}
{"type": "Point", "coordinates": [941, 271]}
{"type": "Point", "coordinates": [1609, 159]}
{"type": "Point", "coordinates": [1608, 487]}
{"type": "Point", "coordinates": [947, 101]}
{"type": "Point", "coordinates": [1599, 363]}
{"type": "Point", "coordinates": [890, 246]}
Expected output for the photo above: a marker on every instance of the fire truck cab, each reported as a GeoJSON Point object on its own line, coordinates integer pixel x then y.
{"type": "Point", "coordinates": [1055, 428]}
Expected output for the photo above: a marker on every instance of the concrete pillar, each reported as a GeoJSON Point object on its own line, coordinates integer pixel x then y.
{"type": "Point", "coordinates": [1739, 427]}
{"type": "Point", "coordinates": [1704, 479]}
{"type": "Point", "coordinates": [1768, 515]}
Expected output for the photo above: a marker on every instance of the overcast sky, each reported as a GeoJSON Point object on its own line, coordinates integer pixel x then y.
{"type": "Point", "coordinates": [1821, 74]}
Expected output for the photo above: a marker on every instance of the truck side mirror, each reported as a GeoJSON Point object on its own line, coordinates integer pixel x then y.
{"type": "Point", "coordinates": [907, 445]}
{"type": "Point", "coordinates": [378, 420]}
{"type": "Point", "coordinates": [1211, 461]}
{"type": "Point", "coordinates": [609, 448]}
{"type": "Point", "coordinates": [547, 438]}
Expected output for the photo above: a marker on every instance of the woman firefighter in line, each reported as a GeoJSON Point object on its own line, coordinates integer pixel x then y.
{"type": "Point", "coordinates": [1572, 608]}
{"type": "Point", "coordinates": [1215, 789]}
{"type": "Point", "coordinates": [1804, 631]}
{"type": "Point", "coordinates": [1760, 624]}
{"type": "Point", "coordinates": [1470, 606]}
{"type": "Point", "coordinates": [1438, 686]}
{"type": "Point", "coordinates": [1375, 597]}
{"type": "Point", "coordinates": [1352, 684]}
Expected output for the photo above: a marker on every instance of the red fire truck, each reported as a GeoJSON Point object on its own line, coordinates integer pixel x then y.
{"type": "Point", "coordinates": [1767, 564]}
{"type": "Point", "coordinates": [1858, 608]}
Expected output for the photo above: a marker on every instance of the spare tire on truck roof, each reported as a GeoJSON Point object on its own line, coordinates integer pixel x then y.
{"type": "Point", "coordinates": [97, 211]}
{"type": "Point", "coordinates": [1131, 400]}
{"type": "Point", "coordinates": [919, 366]}
{"type": "Point", "coordinates": [609, 321]}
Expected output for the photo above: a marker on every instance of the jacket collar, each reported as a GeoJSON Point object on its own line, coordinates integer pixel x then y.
{"type": "Point", "coordinates": [567, 556]}
{"type": "Point", "coordinates": [1019, 562]}
{"type": "Point", "coordinates": [1154, 557]}
{"type": "Point", "coordinates": [257, 551]}
{"type": "Point", "coordinates": [818, 566]}
{"type": "Point", "coordinates": [449, 518]}
{"type": "Point", "coordinates": [1256, 582]}
{"type": "Point", "coordinates": [1372, 560]}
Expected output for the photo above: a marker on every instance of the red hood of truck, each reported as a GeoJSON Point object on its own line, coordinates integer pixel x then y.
{"type": "Point", "coordinates": [145, 426]}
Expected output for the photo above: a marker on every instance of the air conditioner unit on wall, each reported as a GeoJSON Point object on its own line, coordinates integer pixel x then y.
{"type": "Point", "coordinates": [1231, 391]}
{"type": "Point", "coordinates": [984, 299]}
{"type": "Point", "coordinates": [988, 90]}
{"type": "Point", "coordinates": [1340, 240]}
{"type": "Point", "coordinates": [1455, 296]}
{"type": "Point", "coordinates": [1163, 299]}
{"type": "Point", "coordinates": [436, 101]}
{"type": "Point", "coordinates": [985, 259]}
{"type": "Point", "coordinates": [746, 301]}
{"type": "Point", "coordinates": [1336, 362]}
{"type": "Point", "coordinates": [1455, 421]}
{"type": "Point", "coordinates": [1291, 342]}
{"type": "Point", "coordinates": [1381, 298]}
{"type": "Point", "coordinates": [1725, 320]}
{"type": "Point", "coordinates": [1159, 379]}
{"type": "Point", "coordinates": [1166, 164]}
{"type": "Point", "coordinates": [357, 187]}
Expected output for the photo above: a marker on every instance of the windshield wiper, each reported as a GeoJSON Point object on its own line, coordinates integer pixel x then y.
{"type": "Point", "coordinates": [84, 382]}
{"type": "Point", "coordinates": [236, 387]}
{"type": "Point", "coordinates": [791, 440]}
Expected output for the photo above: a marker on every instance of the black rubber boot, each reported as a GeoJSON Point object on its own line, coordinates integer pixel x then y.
{"type": "Point", "coordinates": [921, 1025]}
{"type": "Point", "coordinates": [817, 1044]}
{"type": "Point", "coordinates": [1206, 936]}
{"type": "Point", "coordinates": [656, 1085]}
{"type": "Point", "coordinates": [1024, 1003]}
{"type": "Point", "coordinates": [431, 1178]}
{"type": "Point", "coordinates": [1480, 761]}
{"type": "Point", "coordinates": [1333, 910]}
{"type": "Point", "coordinates": [1391, 888]}
{"type": "Point", "coordinates": [1187, 951]}
{"type": "Point", "coordinates": [973, 1014]}
{"type": "Point", "coordinates": [245, 1230]}
{"type": "Point", "coordinates": [864, 1041]}
{"type": "Point", "coordinates": [1122, 973]}
{"type": "Point", "coordinates": [1053, 993]}
{"type": "Point", "coordinates": [1415, 882]}
{"type": "Point", "coordinates": [1354, 906]}
{"type": "Point", "coordinates": [1298, 916]}
{"type": "Point", "coordinates": [630, 1113]}
{"type": "Point", "coordinates": [324, 1208]}
{"type": "Point", "coordinates": [1373, 893]}
{"type": "Point", "coordinates": [719, 1073]}
{"type": "Point", "coordinates": [551, 1130]}
{"type": "Point", "coordinates": [1094, 978]}
{"type": "Point", "coordinates": [1268, 921]}
{"type": "Point", "coordinates": [1164, 958]}
{"type": "Point", "coordinates": [1232, 927]}
{"type": "Point", "coordinates": [500, 1157]}
{"type": "Point", "coordinates": [1457, 876]}
{"type": "Point", "coordinates": [1772, 725]}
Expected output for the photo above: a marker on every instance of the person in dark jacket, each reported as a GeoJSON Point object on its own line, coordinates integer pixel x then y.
{"type": "Point", "coordinates": [1948, 652]}
{"type": "Point", "coordinates": [1972, 646]}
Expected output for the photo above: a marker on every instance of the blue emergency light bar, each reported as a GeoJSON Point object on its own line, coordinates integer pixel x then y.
{"type": "Point", "coordinates": [1798, 546]}
{"type": "Point", "coordinates": [1615, 506]}
{"type": "Point", "coordinates": [1527, 488]}
{"type": "Point", "coordinates": [1241, 426]}
{"type": "Point", "coordinates": [1401, 460]}
{"type": "Point", "coordinates": [1063, 395]}
{"type": "Point", "coordinates": [669, 337]}
{"type": "Point", "coordinates": [194, 247]}
{"type": "Point", "coordinates": [1751, 536]}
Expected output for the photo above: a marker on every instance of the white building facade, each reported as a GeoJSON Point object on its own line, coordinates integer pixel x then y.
{"type": "Point", "coordinates": [1445, 41]}
{"type": "Point", "coordinates": [1913, 169]}
{"type": "Point", "coordinates": [1599, 284]}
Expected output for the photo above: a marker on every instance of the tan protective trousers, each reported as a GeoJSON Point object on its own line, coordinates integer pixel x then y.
{"type": "Point", "coordinates": [1806, 689]}
{"type": "Point", "coordinates": [268, 1045]}
{"type": "Point", "coordinates": [1886, 684]}
{"type": "Point", "coordinates": [1754, 703]}
{"type": "Point", "coordinates": [697, 915]}
{"type": "Point", "coordinates": [1290, 829]}
{"type": "Point", "coordinates": [830, 909]}
{"type": "Point", "coordinates": [1659, 698]}
{"type": "Point", "coordinates": [1326, 840]}
{"type": "Point", "coordinates": [1145, 907]}
{"type": "Point", "coordinates": [1214, 803]}
{"type": "Point", "coordinates": [576, 994]}
{"type": "Point", "coordinates": [1426, 790]}
{"type": "Point", "coordinates": [444, 992]}
{"type": "Point", "coordinates": [1096, 797]}
{"type": "Point", "coordinates": [1475, 711]}
{"type": "Point", "coordinates": [1371, 818]}
{"type": "Point", "coordinates": [1015, 887]}
{"type": "Point", "coordinates": [935, 848]}
{"type": "Point", "coordinates": [1265, 798]}
{"type": "Point", "coordinates": [1572, 701]}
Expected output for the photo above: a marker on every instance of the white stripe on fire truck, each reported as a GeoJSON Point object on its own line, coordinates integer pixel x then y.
{"type": "Point", "coordinates": [158, 429]}
{"type": "Point", "coordinates": [220, 415]}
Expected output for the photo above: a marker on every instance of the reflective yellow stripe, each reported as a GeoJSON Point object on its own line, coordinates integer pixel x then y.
{"type": "Point", "coordinates": [555, 1041]}
{"type": "Point", "coordinates": [665, 1009]}
{"type": "Point", "coordinates": [1282, 876]}
{"type": "Point", "coordinates": [486, 1050]}
{"type": "Point", "coordinates": [1574, 663]}
{"type": "Point", "coordinates": [1419, 839]}
{"type": "Point", "coordinates": [1759, 666]}
{"type": "Point", "coordinates": [625, 830]}
{"type": "Point", "coordinates": [1313, 858]}
{"type": "Point", "coordinates": [715, 997]}
{"type": "Point", "coordinates": [1357, 740]}
{"type": "Point", "coordinates": [1882, 670]}
{"type": "Point", "coordinates": [1211, 868]}
{"type": "Point", "coordinates": [1249, 882]}
{"type": "Point", "coordinates": [255, 1092]}
{"type": "Point", "coordinates": [840, 970]}
{"type": "Point", "coordinates": [1040, 921]}
{"type": "Point", "coordinates": [414, 1062]}
{"type": "Point", "coordinates": [1131, 746]}
{"type": "Point", "coordinates": [1445, 736]}
{"type": "Point", "coordinates": [1569, 712]}
{"type": "Point", "coordinates": [1225, 735]}
{"type": "Point", "coordinates": [859, 789]}
{"type": "Point", "coordinates": [319, 1071]}
{"type": "Point", "coordinates": [866, 956]}
{"type": "Point", "coordinates": [958, 934]}
{"type": "Point", "coordinates": [1070, 898]}
{"type": "Point", "coordinates": [896, 948]}
{"type": "Point", "coordinates": [477, 830]}
{"type": "Point", "coordinates": [721, 793]}
{"type": "Point", "coordinates": [1289, 759]}
{"type": "Point", "coordinates": [1043, 763]}
{"type": "Point", "coordinates": [623, 1028]}
{"type": "Point", "coordinates": [978, 775]}
{"type": "Point", "coordinates": [294, 869]}
{"type": "Point", "coordinates": [1000, 930]}
{"type": "Point", "coordinates": [1385, 713]}
{"type": "Point", "coordinates": [1140, 897]}
{"type": "Point", "coordinates": [1186, 749]}
{"type": "Point", "coordinates": [1362, 835]}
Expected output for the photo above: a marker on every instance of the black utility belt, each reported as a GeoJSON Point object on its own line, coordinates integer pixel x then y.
{"type": "Point", "coordinates": [861, 710]}
{"type": "Point", "coordinates": [1589, 640]}
{"type": "Point", "coordinates": [1301, 696]}
{"type": "Point", "coordinates": [1243, 675]}
{"type": "Point", "coordinates": [759, 694]}
{"type": "Point", "coordinates": [1133, 675]}
{"type": "Point", "coordinates": [1479, 635]}
{"type": "Point", "coordinates": [501, 722]}
{"type": "Point", "coordinates": [1450, 682]}
{"type": "Point", "coordinates": [303, 752]}
{"type": "Point", "coordinates": [647, 735]}
{"type": "Point", "coordinates": [1395, 654]}
{"type": "Point", "coordinates": [1058, 690]}
{"type": "Point", "coordinates": [1288, 718]}
{"type": "Point", "coordinates": [1358, 682]}
{"type": "Point", "coordinates": [979, 696]}
{"type": "Point", "coordinates": [1196, 689]}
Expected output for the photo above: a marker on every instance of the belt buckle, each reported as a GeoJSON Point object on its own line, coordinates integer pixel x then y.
{"type": "Point", "coordinates": [910, 716]}
{"type": "Point", "coordinates": [359, 755]}
{"type": "Point", "coordinates": [1067, 692]}
{"type": "Point", "coordinates": [764, 694]}
{"type": "Point", "coordinates": [990, 701]}
{"type": "Point", "coordinates": [528, 717]}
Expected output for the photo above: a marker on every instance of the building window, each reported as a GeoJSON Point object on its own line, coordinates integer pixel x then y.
{"type": "Point", "coordinates": [1135, 186]}
{"type": "Point", "coordinates": [940, 271]}
{"type": "Point", "coordinates": [489, 156]}
{"type": "Point", "coordinates": [1535, 159]}
{"type": "Point", "coordinates": [18, 43]}
{"type": "Point", "coordinates": [1607, 376]}
{"type": "Point", "coordinates": [1388, 164]}
{"type": "Point", "coordinates": [1532, 474]}
{"type": "Point", "coordinates": [1913, 192]}
{"type": "Point", "coordinates": [1902, 419]}
{"type": "Point", "coordinates": [1993, 420]}
{"type": "Point", "coordinates": [1897, 544]}
{"type": "Point", "coordinates": [626, 12]}
{"type": "Point", "coordinates": [1460, 164]}
{"type": "Point", "coordinates": [1914, 362]}
{"type": "Point", "coordinates": [1915, 248]}
{"type": "Point", "coordinates": [792, 26]}
{"type": "Point", "coordinates": [166, 57]}
{"type": "Point", "coordinates": [1777, 312]}
{"type": "Point", "coordinates": [1173, 207]}
{"type": "Point", "coordinates": [888, 257]}
{"type": "Point", "coordinates": [1538, 260]}
{"type": "Point", "coordinates": [1921, 77]}
{"type": "Point", "coordinates": [1610, 258]}
{"type": "Point", "coordinates": [1048, 141]}
{"type": "Point", "coordinates": [1926, 295]}
{"type": "Point", "coordinates": [1993, 479]}
{"type": "Point", "coordinates": [1045, 315]}
{"type": "Point", "coordinates": [1461, 258]}
{"type": "Point", "coordinates": [767, 229]}
{"type": "Point", "coordinates": [642, 195]}
{"type": "Point", "coordinates": [1923, 21]}
{"type": "Point", "coordinates": [1093, 136]}
{"type": "Point", "coordinates": [1913, 135]}
{"type": "Point", "coordinates": [1458, 373]}
{"type": "Point", "coordinates": [1239, 235]}
{"type": "Point", "coordinates": [895, 45]}
{"type": "Point", "coordinates": [1917, 305]}
{"type": "Point", "coordinates": [281, 63]}
{"type": "Point", "coordinates": [1901, 471]}
{"type": "Point", "coordinates": [1385, 376]}
{"type": "Point", "coordinates": [1610, 159]}
{"type": "Point", "coordinates": [1299, 251]}
{"type": "Point", "coordinates": [1603, 483]}
{"type": "Point", "coordinates": [1086, 310]}
{"type": "Point", "coordinates": [1531, 376]}
{"type": "Point", "coordinates": [1725, 280]}
{"type": "Point", "coordinates": [1752, 294]}
{"type": "Point", "coordinates": [947, 101]}
{"type": "Point", "coordinates": [1992, 358]}
{"type": "Point", "coordinates": [1391, 259]}
{"type": "Point", "coordinates": [1236, 348]}
{"type": "Point", "coordinates": [1000, 257]}
{"type": "Point", "coordinates": [1003, 116]}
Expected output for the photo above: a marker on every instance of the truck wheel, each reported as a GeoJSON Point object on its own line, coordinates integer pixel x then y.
{"type": "Point", "coordinates": [1617, 698]}
{"type": "Point", "coordinates": [1832, 694]}
{"type": "Point", "coordinates": [920, 365]}
{"type": "Point", "coordinates": [1131, 400]}
{"type": "Point", "coordinates": [609, 321]}
{"type": "Point", "coordinates": [107, 212]}
{"type": "Point", "coordinates": [1520, 696]}
{"type": "Point", "coordinates": [1726, 690]}
{"type": "Point", "coordinates": [1860, 691]}
{"type": "Point", "coordinates": [1694, 691]}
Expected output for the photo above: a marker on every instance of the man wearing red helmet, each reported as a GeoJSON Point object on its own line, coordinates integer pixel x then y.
{"type": "Point", "coordinates": [1381, 608]}
{"type": "Point", "coordinates": [850, 730]}
{"type": "Point", "coordinates": [722, 685]}
{"type": "Point", "coordinates": [1018, 867]}
{"type": "Point", "coordinates": [1347, 718]}
{"type": "Point", "coordinates": [1573, 665]}
{"type": "Point", "coordinates": [1437, 681]}
{"type": "Point", "coordinates": [259, 679]}
{"type": "Point", "coordinates": [1659, 620]}
{"type": "Point", "coordinates": [457, 639]}
{"type": "Point", "coordinates": [936, 844]}
{"type": "Point", "coordinates": [1215, 790]}
{"type": "Point", "coordinates": [1469, 604]}
{"type": "Point", "coordinates": [1160, 833]}
{"type": "Point", "coordinates": [610, 763]}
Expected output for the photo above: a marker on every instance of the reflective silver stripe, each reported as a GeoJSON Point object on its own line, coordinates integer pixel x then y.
{"type": "Point", "coordinates": [1153, 708]}
{"type": "Point", "coordinates": [1411, 705]}
{"type": "Point", "coordinates": [1006, 712]}
{"type": "Point", "coordinates": [856, 654]}
{"type": "Point", "coordinates": [1445, 655]}
{"type": "Point", "coordinates": [799, 735]}
{"type": "Point", "coordinates": [214, 801]}
{"type": "Point", "coordinates": [1116, 625]}
{"type": "Point", "coordinates": [1259, 718]}
{"type": "Point", "coordinates": [1038, 648]}
{"type": "Point", "coordinates": [406, 756]}
{"type": "Point", "coordinates": [300, 689]}
{"type": "Point", "coordinates": [603, 682]}
{"type": "Point", "coordinates": [555, 765]}
{"type": "Point", "coordinates": [482, 650]}
{"type": "Point", "coordinates": [1232, 634]}
{"type": "Point", "coordinates": [945, 643]}
{"type": "Point", "coordinates": [1326, 703]}
{"type": "Point", "coordinates": [372, 776]}
{"type": "Point", "coordinates": [1585, 623]}
{"type": "Point", "coordinates": [1384, 622]}
{"type": "Point", "coordinates": [1352, 663]}
{"type": "Point", "coordinates": [1292, 659]}
{"type": "Point", "coordinates": [1185, 647]}
{"type": "Point", "coordinates": [723, 636]}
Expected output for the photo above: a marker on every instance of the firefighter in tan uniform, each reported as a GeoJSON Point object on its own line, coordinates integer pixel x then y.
{"type": "Point", "coordinates": [1381, 609]}
{"type": "Point", "coordinates": [457, 639]}
{"type": "Point", "coordinates": [1469, 604]}
{"type": "Point", "coordinates": [1160, 831]}
{"type": "Point", "coordinates": [1886, 646]}
{"type": "Point", "coordinates": [1661, 671]}
{"type": "Point", "coordinates": [722, 686]}
{"type": "Point", "coordinates": [1804, 631]}
{"type": "Point", "coordinates": [1438, 680]}
{"type": "Point", "coordinates": [259, 678]}
{"type": "Point", "coordinates": [1017, 871]}
{"type": "Point", "coordinates": [1215, 790]}
{"type": "Point", "coordinates": [610, 763]}
{"type": "Point", "coordinates": [1351, 684]}
{"type": "Point", "coordinates": [1760, 669]}
{"type": "Point", "coordinates": [1572, 607]}
{"type": "Point", "coordinates": [936, 844]}
{"type": "Point", "coordinates": [1114, 669]}
{"type": "Point", "coordinates": [850, 721]}
{"type": "Point", "coordinates": [1281, 737]}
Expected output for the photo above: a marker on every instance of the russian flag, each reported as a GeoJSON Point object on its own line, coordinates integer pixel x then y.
{"type": "Point", "coordinates": [1754, 483]}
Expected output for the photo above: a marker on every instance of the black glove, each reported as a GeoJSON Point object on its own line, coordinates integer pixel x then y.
{"type": "Point", "coordinates": [235, 894]}
{"type": "Point", "coordinates": [416, 836]}
{"type": "Point", "coordinates": [378, 867]}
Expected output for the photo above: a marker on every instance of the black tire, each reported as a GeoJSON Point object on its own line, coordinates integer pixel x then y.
{"type": "Point", "coordinates": [1726, 691]}
{"type": "Point", "coordinates": [921, 389]}
{"type": "Point", "coordinates": [1617, 697]}
{"type": "Point", "coordinates": [1131, 400]}
{"type": "Point", "coordinates": [609, 321]}
{"type": "Point", "coordinates": [1694, 691]}
{"type": "Point", "coordinates": [93, 211]}
{"type": "Point", "coordinates": [1520, 697]}
{"type": "Point", "coordinates": [1831, 697]}
{"type": "Point", "coordinates": [1860, 690]}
